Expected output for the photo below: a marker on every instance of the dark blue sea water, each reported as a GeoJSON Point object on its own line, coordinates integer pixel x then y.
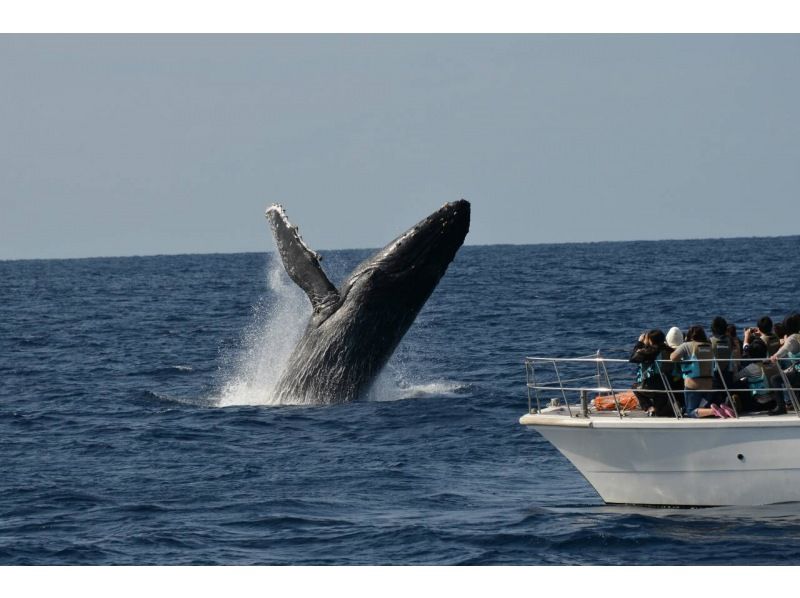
{"type": "Point", "coordinates": [136, 425]}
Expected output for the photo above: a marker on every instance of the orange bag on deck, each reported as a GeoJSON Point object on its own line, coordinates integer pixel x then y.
{"type": "Point", "coordinates": [627, 400]}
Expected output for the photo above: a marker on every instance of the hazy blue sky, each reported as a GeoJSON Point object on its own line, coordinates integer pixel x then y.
{"type": "Point", "coordinates": [129, 145]}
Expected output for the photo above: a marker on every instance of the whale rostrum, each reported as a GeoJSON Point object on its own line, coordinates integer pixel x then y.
{"type": "Point", "coordinates": [354, 330]}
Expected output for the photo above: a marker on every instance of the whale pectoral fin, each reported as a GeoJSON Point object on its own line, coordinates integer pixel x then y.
{"type": "Point", "coordinates": [301, 263]}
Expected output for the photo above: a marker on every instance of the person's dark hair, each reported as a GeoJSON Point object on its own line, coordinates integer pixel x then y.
{"type": "Point", "coordinates": [765, 324]}
{"type": "Point", "coordinates": [718, 326]}
{"type": "Point", "coordinates": [731, 330]}
{"type": "Point", "coordinates": [779, 329]}
{"type": "Point", "coordinates": [757, 349]}
{"type": "Point", "coordinates": [792, 324]}
{"type": "Point", "coordinates": [657, 337]}
{"type": "Point", "coordinates": [696, 333]}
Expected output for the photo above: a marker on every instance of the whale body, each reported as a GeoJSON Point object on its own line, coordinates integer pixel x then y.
{"type": "Point", "coordinates": [354, 329]}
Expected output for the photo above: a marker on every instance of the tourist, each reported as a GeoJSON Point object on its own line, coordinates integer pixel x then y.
{"type": "Point", "coordinates": [722, 348]}
{"type": "Point", "coordinates": [652, 354]}
{"type": "Point", "coordinates": [674, 340]}
{"type": "Point", "coordinates": [764, 331]}
{"type": "Point", "coordinates": [696, 357]}
{"type": "Point", "coordinates": [789, 357]}
{"type": "Point", "coordinates": [736, 346]}
{"type": "Point", "coordinates": [755, 377]}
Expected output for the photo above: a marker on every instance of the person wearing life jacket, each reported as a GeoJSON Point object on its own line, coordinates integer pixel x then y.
{"type": "Point", "coordinates": [754, 379]}
{"type": "Point", "coordinates": [696, 359]}
{"type": "Point", "coordinates": [674, 340]}
{"type": "Point", "coordinates": [652, 355]}
{"type": "Point", "coordinates": [736, 346]}
{"type": "Point", "coordinates": [764, 331]}
{"type": "Point", "coordinates": [788, 355]}
{"type": "Point", "coordinates": [779, 330]}
{"type": "Point", "coordinates": [722, 348]}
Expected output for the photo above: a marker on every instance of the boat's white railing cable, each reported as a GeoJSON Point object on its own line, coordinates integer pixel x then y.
{"type": "Point", "coordinates": [574, 379]}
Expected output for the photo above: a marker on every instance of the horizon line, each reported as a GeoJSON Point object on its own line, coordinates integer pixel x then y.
{"type": "Point", "coordinates": [146, 255]}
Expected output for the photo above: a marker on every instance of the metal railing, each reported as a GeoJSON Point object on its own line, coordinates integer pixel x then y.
{"type": "Point", "coordinates": [575, 379]}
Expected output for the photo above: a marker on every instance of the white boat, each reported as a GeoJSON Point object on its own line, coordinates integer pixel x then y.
{"type": "Point", "coordinates": [662, 461]}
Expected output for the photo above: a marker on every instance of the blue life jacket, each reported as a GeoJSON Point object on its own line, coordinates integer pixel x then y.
{"type": "Point", "coordinates": [647, 371]}
{"type": "Point", "coordinates": [759, 384]}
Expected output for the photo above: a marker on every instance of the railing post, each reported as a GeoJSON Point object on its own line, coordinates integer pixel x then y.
{"type": "Point", "coordinates": [610, 386]}
{"type": "Point", "coordinates": [561, 386]}
{"type": "Point", "coordinates": [724, 385]}
{"type": "Point", "coordinates": [584, 403]}
{"type": "Point", "coordinates": [790, 391]}
{"type": "Point", "coordinates": [528, 382]}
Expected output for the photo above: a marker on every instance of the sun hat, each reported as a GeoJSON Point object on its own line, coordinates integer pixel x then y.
{"type": "Point", "coordinates": [674, 337]}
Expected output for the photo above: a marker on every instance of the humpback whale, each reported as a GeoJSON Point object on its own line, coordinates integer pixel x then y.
{"type": "Point", "coordinates": [353, 330]}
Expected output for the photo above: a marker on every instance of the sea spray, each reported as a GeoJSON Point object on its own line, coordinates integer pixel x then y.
{"type": "Point", "coordinates": [279, 319]}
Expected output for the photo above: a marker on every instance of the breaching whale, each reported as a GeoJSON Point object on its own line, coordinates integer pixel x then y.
{"type": "Point", "coordinates": [354, 330]}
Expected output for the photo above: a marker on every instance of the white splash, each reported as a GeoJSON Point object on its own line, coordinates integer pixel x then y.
{"type": "Point", "coordinates": [278, 323]}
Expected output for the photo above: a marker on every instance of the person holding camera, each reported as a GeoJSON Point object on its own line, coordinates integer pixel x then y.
{"type": "Point", "coordinates": [652, 354]}
{"type": "Point", "coordinates": [790, 353]}
{"type": "Point", "coordinates": [753, 381]}
{"type": "Point", "coordinates": [763, 331]}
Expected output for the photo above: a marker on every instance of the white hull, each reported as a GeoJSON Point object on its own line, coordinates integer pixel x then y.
{"type": "Point", "coordinates": [681, 462]}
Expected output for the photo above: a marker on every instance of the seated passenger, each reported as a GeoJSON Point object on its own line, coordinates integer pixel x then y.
{"type": "Point", "coordinates": [736, 345]}
{"type": "Point", "coordinates": [755, 377]}
{"type": "Point", "coordinates": [696, 358]}
{"type": "Point", "coordinates": [722, 349]}
{"type": "Point", "coordinates": [779, 331]}
{"type": "Point", "coordinates": [674, 340]}
{"type": "Point", "coordinates": [789, 357]}
{"type": "Point", "coordinates": [649, 352]}
{"type": "Point", "coordinates": [763, 331]}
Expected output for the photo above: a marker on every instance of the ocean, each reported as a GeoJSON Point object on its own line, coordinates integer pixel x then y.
{"type": "Point", "coordinates": [137, 425]}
